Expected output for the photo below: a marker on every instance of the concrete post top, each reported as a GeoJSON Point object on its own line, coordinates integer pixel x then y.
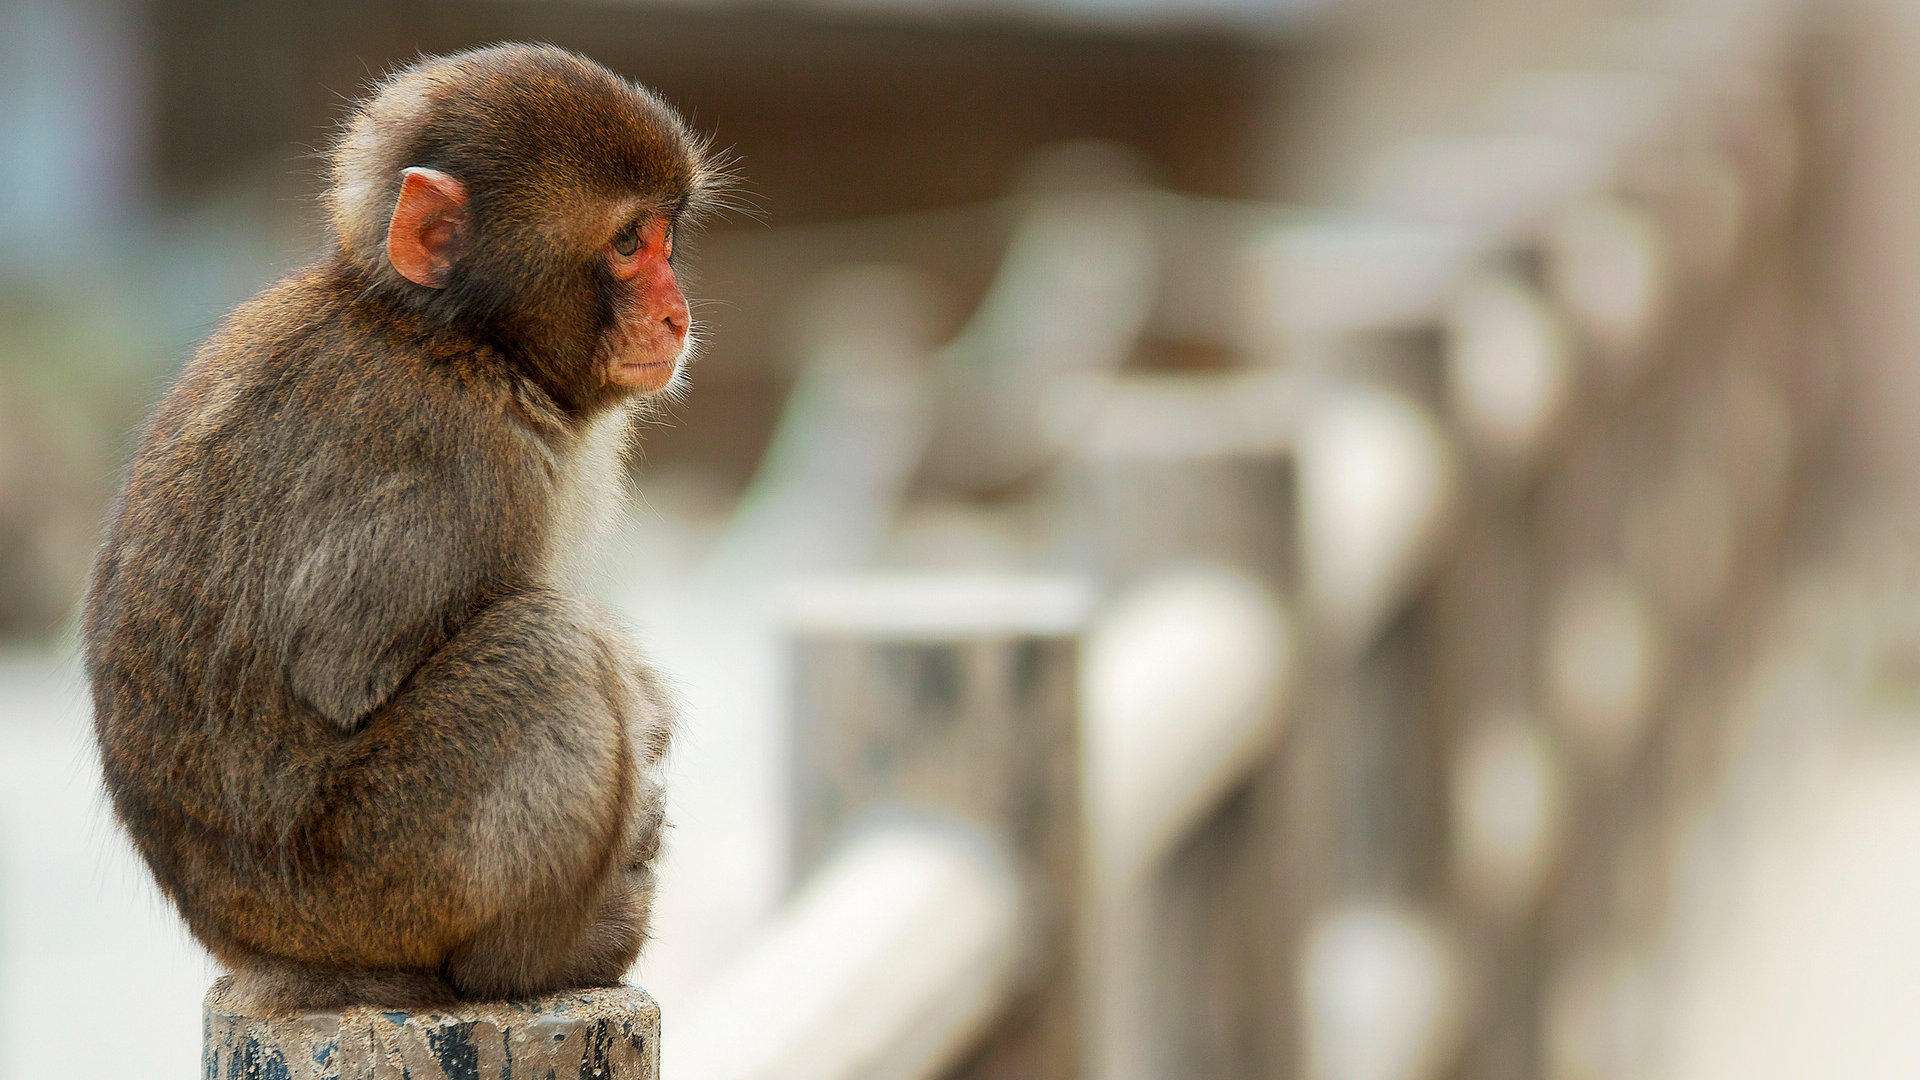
{"type": "Point", "coordinates": [603, 1034]}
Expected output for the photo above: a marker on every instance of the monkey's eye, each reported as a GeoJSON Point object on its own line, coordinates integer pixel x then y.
{"type": "Point", "coordinates": [627, 240]}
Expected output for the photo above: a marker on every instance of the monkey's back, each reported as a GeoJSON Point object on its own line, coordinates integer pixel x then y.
{"type": "Point", "coordinates": [307, 477]}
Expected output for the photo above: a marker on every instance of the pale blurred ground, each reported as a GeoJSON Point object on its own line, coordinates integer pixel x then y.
{"type": "Point", "coordinates": [81, 926]}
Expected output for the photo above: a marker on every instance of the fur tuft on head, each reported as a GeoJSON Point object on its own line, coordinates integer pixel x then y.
{"type": "Point", "coordinates": [369, 156]}
{"type": "Point", "coordinates": [533, 131]}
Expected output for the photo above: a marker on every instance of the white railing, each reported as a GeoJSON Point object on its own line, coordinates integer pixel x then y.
{"type": "Point", "coordinates": [1432, 646]}
{"type": "Point", "coordinates": [893, 962]}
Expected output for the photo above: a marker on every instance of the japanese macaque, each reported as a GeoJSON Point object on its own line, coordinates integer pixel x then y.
{"type": "Point", "coordinates": [371, 746]}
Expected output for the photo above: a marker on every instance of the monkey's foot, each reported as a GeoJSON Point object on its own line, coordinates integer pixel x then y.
{"type": "Point", "coordinates": [611, 1033]}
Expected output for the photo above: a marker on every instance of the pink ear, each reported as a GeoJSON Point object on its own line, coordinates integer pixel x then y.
{"type": "Point", "coordinates": [428, 226]}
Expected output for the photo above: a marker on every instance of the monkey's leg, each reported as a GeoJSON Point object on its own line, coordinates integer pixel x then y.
{"type": "Point", "coordinates": [602, 955]}
{"type": "Point", "coordinates": [491, 807]}
{"type": "Point", "coordinates": [621, 928]}
{"type": "Point", "coordinates": [605, 947]}
{"type": "Point", "coordinates": [617, 930]}
{"type": "Point", "coordinates": [276, 984]}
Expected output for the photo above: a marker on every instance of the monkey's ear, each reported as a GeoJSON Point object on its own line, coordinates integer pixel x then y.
{"type": "Point", "coordinates": [429, 226]}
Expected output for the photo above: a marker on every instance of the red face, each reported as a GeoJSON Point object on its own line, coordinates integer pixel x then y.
{"type": "Point", "coordinates": [644, 349]}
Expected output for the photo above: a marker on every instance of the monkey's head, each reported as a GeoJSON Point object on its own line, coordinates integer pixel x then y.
{"type": "Point", "coordinates": [531, 196]}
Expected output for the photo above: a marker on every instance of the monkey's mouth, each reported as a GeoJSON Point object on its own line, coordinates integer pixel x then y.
{"type": "Point", "coordinates": [645, 376]}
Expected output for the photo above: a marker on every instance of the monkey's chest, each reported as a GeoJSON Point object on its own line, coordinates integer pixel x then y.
{"type": "Point", "coordinates": [589, 497]}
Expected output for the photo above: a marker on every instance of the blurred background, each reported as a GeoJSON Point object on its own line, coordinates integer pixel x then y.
{"type": "Point", "coordinates": [1321, 538]}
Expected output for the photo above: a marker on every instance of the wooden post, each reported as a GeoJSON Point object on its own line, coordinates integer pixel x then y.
{"type": "Point", "coordinates": [1185, 713]}
{"type": "Point", "coordinates": [958, 698]}
{"type": "Point", "coordinates": [610, 1034]}
{"type": "Point", "coordinates": [1359, 789]}
{"type": "Point", "coordinates": [1187, 678]}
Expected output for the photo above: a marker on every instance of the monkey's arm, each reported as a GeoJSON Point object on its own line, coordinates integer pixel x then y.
{"type": "Point", "coordinates": [378, 577]}
{"type": "Point", "coordinates": [541, 693]}
{"type": "Point", "coordinates": [361, 608]}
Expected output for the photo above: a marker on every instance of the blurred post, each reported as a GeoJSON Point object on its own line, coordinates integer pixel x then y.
{"type": "Point", "coordinates": [1362, 776]}
{"type": "Point", "coordinates": [1593, 595]}
{"type": "Point", "coordinates": [1513, 385]}
{"type": "Point", "coordinates": [956, 697]}
{"type": "Point", "coordinates": [1505, 784]}
{"type": "Point", "coordinates": [1184, 485]}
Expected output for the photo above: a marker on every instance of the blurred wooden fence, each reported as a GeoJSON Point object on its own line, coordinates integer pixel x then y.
{"type": "Point", "coordinates": [1326, 715]}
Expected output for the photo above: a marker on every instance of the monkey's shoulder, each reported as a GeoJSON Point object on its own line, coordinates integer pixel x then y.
{"type": "Point", "coordinates": [319, 339]}
{"type": "Point", "coordinates": [312, 360]}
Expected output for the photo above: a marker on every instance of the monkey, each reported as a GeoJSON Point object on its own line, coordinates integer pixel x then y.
{"type": "Point", "coordinates": [371, 744]}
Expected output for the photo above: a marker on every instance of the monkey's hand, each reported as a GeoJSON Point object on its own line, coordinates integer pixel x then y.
{"type": "Point", "coordinates": [612, 941]}
{"type": "Point", "coordinates": [647, 822]}
{"type": "Point", "coordinates": [648, 708]}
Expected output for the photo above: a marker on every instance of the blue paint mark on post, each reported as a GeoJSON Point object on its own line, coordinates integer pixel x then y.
{"type": "Point", "coordinates": [256, 1062]}
{"type": "Point", "coordinates": [452, 1046]}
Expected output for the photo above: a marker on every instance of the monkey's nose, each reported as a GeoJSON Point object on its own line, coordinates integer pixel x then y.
{"type": "Point", "coordinates": [674, 314]}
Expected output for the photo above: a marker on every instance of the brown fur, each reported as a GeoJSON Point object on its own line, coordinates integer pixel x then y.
{"type": "Point", "coordinates": [369, 746]}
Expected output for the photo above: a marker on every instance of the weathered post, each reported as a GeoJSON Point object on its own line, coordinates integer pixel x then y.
{"type": "Point", "coordinates": [1514, 382]}
{"type": "Point", "coordinates": [607, 1034]}
{"type": "Point", "coordinates": [1378, 502]}
{"type": "Point", "coordinates": [1188, 669]}
{"type": "Point", "coordinates": [956, 698]}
